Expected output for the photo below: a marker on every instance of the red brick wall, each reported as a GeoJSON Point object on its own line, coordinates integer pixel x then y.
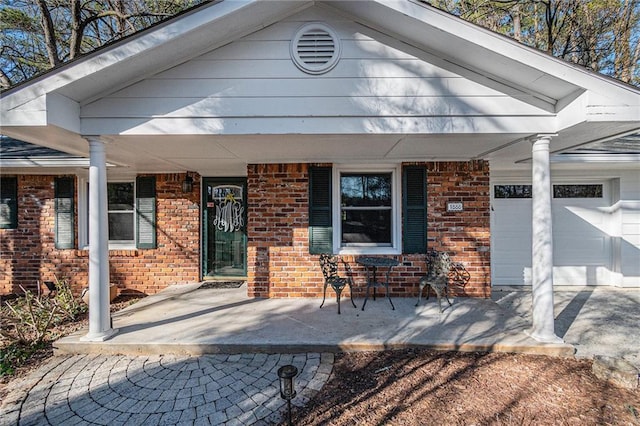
{"type": "Point", "coordinates": [279, 263]}
{"type": "Point", "coordinates": [465, 235]}
{"type": "Point", "coordinates": [28, 254]}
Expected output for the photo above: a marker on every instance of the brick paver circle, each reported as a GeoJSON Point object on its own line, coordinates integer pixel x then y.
{"type": "Point", "coordinates": [240, 389]}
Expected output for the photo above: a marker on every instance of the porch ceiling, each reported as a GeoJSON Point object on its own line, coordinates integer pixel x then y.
{"type": "Point", "coordinates": [46, 111]}
{"type": "Point", "coordinates": [217, 155]}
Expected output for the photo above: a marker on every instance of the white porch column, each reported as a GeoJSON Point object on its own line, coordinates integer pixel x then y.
{"type": "Point", "coordinates": [542, 248]}
{"type": "Point", "coordinates": [99, 315]}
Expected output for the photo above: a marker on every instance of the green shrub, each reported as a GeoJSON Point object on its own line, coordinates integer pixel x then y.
{"type": "Point", "coordinates": [14, 355]}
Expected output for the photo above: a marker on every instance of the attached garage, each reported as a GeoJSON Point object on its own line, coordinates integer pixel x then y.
{"type": "Point", "coordinates": [584, 224]}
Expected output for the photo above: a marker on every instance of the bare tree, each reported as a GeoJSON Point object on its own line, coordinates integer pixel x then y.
{"type": "Point", "coordinates": [36, 35]}
{"type": "Point", "coordinates": [602, 35]}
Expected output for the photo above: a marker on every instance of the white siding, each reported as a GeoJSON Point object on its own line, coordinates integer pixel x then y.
{"type": "Point", "coordinates": [254, 77]}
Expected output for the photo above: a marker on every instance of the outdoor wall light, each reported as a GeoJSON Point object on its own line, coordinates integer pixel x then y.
{"type": "Point", "coordinates": [287, 390]}
{"type": "Point", "coordinates": [187, 184]}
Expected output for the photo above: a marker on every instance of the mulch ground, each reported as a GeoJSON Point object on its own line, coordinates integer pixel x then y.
{"type": "Point", "coordinates": [422, 387]}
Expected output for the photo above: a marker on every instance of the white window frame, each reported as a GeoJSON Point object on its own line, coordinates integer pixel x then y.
{"type": "Point", "coordinates": [396, 209]}
{"type": "Point", "coordinates": [83, 212]}
{"type": "Point", "coordinates": [83, 215]}
{"type": "Point", "coordinates": [125, 244]}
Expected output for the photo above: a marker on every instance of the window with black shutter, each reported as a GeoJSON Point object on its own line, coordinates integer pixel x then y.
{"type": "Point", "coordinates": [414, 188]}
{"type": "Point", "coordinates": [64, 211]}
{"type": "Point", "coordinates": [146, 212]}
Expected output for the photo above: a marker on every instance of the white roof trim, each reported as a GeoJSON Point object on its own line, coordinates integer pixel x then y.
{"type": "Point", "coordinates": [29, 162]}
{"type": "Point", "coordinates": [218, 23]}
{"type": "Point", "coordinates": [224, 20]}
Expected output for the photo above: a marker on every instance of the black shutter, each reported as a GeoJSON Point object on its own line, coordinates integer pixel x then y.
{"type": "Point", "coordinates": [320, 229]}
{"type": "Point", "coordinates": [146, 212]}
{"type": "Point", "coordinates": [8, 203]}
{"type": "Point", "coordinates": [414, 204]}
{"type": "Point", "coordinates": [65, 202]}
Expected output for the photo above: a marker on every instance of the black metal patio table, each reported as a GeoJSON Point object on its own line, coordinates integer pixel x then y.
{"type": "Point", "coordinates": [372, 264]}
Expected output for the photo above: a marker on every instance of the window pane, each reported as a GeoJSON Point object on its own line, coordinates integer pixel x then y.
{"type": "Point", "coordinates": [512, 191]}
{"type": "Point", "coordinates": [8, 203]}
{"type": "Point", "coordinates": [5, 213]}
{"type": "Point", "coordinates": [120, 196]}
{"type": "Point", "coordinates": [366, 226]}
{"type": "Point", "coordinates": [121, 226]}
{"type": "Point", "coordinates": [224, 192]}
{"type": "Point", "coordinates": [577, 191]}
{"type": "Point", "coordinates": [365, 190]}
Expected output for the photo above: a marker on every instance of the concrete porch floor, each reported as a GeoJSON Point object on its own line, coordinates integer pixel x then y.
{"type": "Point", "coordinates": [187, 320]}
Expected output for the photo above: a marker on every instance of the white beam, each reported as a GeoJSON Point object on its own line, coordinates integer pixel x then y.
{"type": "Point", "coordinates": [63, 112]}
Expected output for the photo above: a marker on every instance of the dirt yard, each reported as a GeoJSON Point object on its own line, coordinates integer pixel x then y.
{"type": "Point", "coordinates": [421, 387]}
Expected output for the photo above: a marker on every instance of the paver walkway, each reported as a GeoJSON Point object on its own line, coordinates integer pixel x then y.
{"type": "Point", "coordinates": [217, 389]}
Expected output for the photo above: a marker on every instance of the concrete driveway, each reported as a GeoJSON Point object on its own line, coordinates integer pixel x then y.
{"type": "Point", "coordinates": [595, 320]}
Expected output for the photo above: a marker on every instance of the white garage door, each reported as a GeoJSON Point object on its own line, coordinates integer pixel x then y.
{"type": "Point", "coordinates": [582, 246]}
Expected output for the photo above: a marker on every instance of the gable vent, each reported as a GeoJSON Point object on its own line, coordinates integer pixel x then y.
{"type": "Point", "coordinates": [315, 48]}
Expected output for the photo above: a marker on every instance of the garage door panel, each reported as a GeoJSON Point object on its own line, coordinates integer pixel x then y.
{"type": "Point", "coordinates": [573, 250]}
{"type": "Point", "coordinates": [511, 247]}
{"type": "Point", "coordinates": [578, 217]}
{"type": "Point", "coordinates": [581, 245]}
{"type": "Point", "coordinates": [514, 275]}
{"type": "Point", "coordinates": [581, 275]}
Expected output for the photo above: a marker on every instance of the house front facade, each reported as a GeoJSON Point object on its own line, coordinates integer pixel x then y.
{"type": "Point", "coordinates": [242, 139]}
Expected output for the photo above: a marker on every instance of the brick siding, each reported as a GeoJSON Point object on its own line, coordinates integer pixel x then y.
{"type": "Point", "coordinates": [278, 259]}
{"type": "Point", "coordinates": [28, 254]}
{"type": "Point", "coordinates": [279, 263]}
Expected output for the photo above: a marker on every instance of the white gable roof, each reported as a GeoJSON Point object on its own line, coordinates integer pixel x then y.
{"type": "Point", "coordinates": [428, 86]}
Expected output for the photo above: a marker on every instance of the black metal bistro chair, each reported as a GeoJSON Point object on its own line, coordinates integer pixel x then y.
{"type": "Point", "coordinates": [329, 264]}
{"type": "Point", "coordinates": [437, 278]}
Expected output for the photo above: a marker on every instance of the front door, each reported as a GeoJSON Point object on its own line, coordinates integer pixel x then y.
{"type": "Point", "coordinates": [225, 227]}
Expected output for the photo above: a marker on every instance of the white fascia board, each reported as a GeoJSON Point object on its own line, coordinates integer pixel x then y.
{"type": "Point", "coordinates": [32, 113]}
{"type": "Point", "coordinates": [42, 162]}
{"type": "Point", "coordinates": [613, 113]}
{"type": "Point", "coordinates": [573, 112]}
{"type": "Point", "coordinates": [49, 109]}
{"type": "Point", "coordinates": [590, 107]}
{"type": "Point", "coordinates": [601, 108]}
